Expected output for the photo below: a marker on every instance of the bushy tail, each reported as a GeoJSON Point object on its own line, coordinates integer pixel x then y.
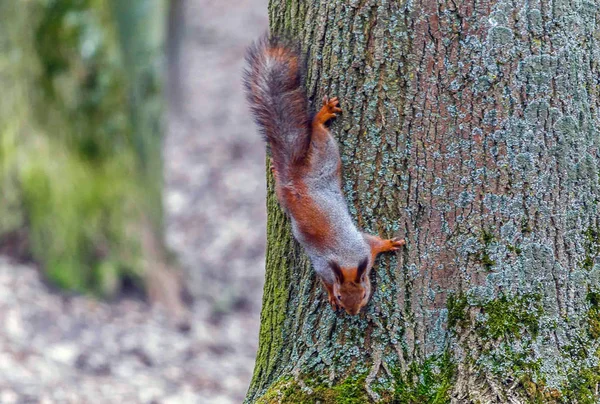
{"type": "Point", "coordinates": [273, 80]}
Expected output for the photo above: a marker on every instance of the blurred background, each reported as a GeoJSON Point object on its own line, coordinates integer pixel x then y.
{"type": "Point", "coordinates": [132, 201]}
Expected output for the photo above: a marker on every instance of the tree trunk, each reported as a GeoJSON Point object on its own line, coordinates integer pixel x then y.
{"type": "Point", "coordinates": [469, 129]}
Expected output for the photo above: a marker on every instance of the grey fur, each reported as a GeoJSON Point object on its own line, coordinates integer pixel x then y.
{"type": "Point", "coordinates": [324, 185]}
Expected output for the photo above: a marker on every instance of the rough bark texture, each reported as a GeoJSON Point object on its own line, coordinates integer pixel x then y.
{"type": "Point", "coordinates": [470, 129]}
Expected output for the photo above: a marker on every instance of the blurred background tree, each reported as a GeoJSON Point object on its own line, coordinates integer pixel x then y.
{"type": "Point", "coordinates": [83, 113]}
{"type": "Point", "coordinates": [81, 127]}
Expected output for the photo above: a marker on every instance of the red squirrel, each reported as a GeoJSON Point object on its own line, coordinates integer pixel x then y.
{"type": "Point", "coordinates": [307, 169]}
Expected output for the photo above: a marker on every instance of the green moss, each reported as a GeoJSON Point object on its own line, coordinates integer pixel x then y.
{"type": "Point", "coordinates": [514, 249]}
{"type": "Point", "coordinates": [281, 392]}
{"type": "Point", "coordinates": [487, 237]}
{"type": "Point", "coordinates": [593, 299]}
{"type": "Point", "coordinates": [430, 382]}
{"type": "Point", "coordinates": [525, 227]}
{"type": "Point", "coordinates": [487, 262]}
{"type": "Point", "coordinates": [350, 391]}
{"type": "Point", "coordinates": [538, 393]}
{"type": "Point", "coordinates": [483, 256]}
{"type": "Point", "coordinates": [508, 317]}
{"type": "Point", "coordinates": [591, 247]}
{"type": "Point", "coordinates": [276, 292]}
{"type": "Point", "coordinates": [508, 320]}
{"type": "Point", "coordinates": [582, 386]}
{"type": "Point", "coordinates": [583, 381]}
{"type": "Point", "coordinates": [588, 262]}
{"type": "Point", "coordinates": [515, 319]}
{"type": "Point", "coordinates": [457, 305]}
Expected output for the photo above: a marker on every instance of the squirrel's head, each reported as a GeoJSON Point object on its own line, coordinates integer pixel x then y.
{"type": "Point", "coordinates": [352, 287]}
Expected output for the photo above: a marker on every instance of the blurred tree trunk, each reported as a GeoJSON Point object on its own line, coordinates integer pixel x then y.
{"type": "Point", "coordinates": [142, 27]}
{"type": "Point", "coordinates": [470, 129]}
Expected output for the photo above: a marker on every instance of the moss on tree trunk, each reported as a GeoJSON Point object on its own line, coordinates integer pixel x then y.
{"type": "Point", "coordinates": [470, 129]}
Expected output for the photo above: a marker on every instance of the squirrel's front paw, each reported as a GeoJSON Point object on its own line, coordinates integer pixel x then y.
{"type": "Point", "coordinates": [333, 302]}
{"type": "Point", "coordinates": [396, 243]}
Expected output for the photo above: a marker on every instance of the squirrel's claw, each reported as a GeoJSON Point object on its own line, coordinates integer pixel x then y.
{"type": "Point", "coordinates": [331, 104]}
{"type": "Point", "coordinates": [334, 105]}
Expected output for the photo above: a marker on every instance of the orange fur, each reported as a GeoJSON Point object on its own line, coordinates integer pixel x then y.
{"type": "Point", "coordinates": [311, 221]}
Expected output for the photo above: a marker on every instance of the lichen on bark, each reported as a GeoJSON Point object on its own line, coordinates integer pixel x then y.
{"type": "Point", "coordinates": [470, 129]}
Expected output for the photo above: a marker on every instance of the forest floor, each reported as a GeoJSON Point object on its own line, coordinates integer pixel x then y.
{"type": "Point", "coordinates": [76, 349]}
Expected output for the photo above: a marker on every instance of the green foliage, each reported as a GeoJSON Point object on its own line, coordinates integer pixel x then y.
{"type": "Point", "coordinates": [69, 138]}
{"type": "Point", "coordinates": [11, 218]}
{"type": "Point", "coordinates": [76, 212]}
{"type": "Point", "coordinates": [82, 80]}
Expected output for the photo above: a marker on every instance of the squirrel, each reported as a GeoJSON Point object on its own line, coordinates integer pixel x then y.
{"type": "Point", "coordinates": [306, 164]}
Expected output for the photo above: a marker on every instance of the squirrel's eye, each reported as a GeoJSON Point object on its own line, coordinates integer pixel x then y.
{"type": "Point", "coordinates": [339, 297]}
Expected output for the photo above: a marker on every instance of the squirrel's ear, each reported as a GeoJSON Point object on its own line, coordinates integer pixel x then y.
{"type": "Point", "coordinates": [337, 271]}
{"type": "Point", "coordinates": [362, 267]}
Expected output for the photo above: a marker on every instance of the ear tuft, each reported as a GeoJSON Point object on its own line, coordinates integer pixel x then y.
{"type": "Point", "coordinates": [362, 267]}
{"type": "Point", "coordinates": [337, 271]}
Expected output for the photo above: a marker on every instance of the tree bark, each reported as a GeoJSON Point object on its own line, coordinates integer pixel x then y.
{"type": "Point", "coordinates": [469, 129]}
